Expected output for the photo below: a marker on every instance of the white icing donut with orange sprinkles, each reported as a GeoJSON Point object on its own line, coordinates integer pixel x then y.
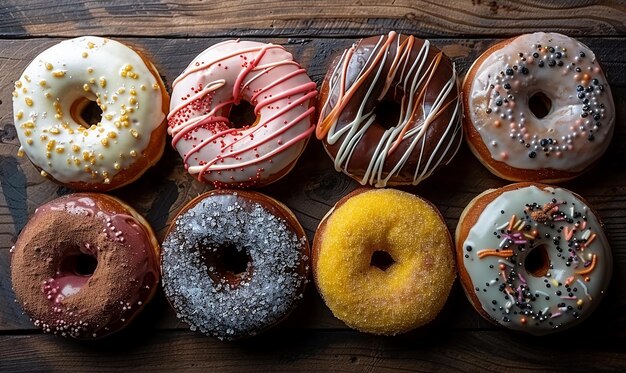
{"type": "Point", "coordinates": [267, 77]}
{"type": "Point", "coordinates": [50, 99]}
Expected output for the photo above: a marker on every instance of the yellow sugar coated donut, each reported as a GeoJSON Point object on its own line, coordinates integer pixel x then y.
{"type": "Point", "coordinates": [407, 294]}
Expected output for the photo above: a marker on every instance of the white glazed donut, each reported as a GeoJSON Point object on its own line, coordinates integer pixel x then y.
{"type": "Point", "coordinates": [266, 76]}
{"type": "Point", "coordinates": [533, 257]}
{"type": "Point", "coordinates": [55, 88]}
{"type": "Point", "coordinates": [538, 107]}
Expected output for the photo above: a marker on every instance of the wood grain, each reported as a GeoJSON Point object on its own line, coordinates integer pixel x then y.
{"type": "Point", "coordinates": [301, 18]}
{"type": "Point", "coordinates": [305, 350]}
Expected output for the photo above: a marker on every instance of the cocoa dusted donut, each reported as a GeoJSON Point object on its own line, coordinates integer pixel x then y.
{"type": "Point", "coordinates": [85, 265]}
{"type": "Point", "coordinates": [234, 263]}
{"type": "Point", "coordinates": [54, 94]}
{"type": "Point", "coordinates": [390, 110]}
{"type": "Point", "coordinates": [533, 257]}
{"type": "Point", "coordinates": [538, 108]}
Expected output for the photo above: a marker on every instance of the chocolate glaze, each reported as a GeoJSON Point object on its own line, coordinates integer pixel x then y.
{"type": "Point", "coordinates": [55, 295]}
{"type": "Point", "coordinates": [360, 60]}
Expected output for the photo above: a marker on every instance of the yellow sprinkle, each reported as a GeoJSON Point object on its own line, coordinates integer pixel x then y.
{"type": "Point", "coordinates": [50, 145]}
{"type": "Point", "coordinates": [134, 133]}
{"type": "Point", "coordinates": [48, 155]}
{"type": "Point", "coordinates": [14, 93]}
{"type": "Point", "coordinates": [42, 83]}
{"type": "Point", "coordinates": [108, 116]}
{"type": "Point", "coordinates": [100, 156]}
{"type": "Point", "coordinates": [29, 101]}
{"type": "Point", "coordinates": [86, 87]}
{"type": "Point", "coordinates": [48, 95]}
{"type": "Point", "coordinates": [43, 137]}
{"type": "Point", "coordinates": [55, 131]}
{"type": "Point", "coordinates": [28, 132]}
{"type": "Point", "coordinates": [75, 148]}
{"type": "Point", "coordinates": [143, 87]}
{"type": "Point", "coordinates": [25, 90]}
{"type": "Point", "coordinates": [18, 84]}
{"type": "Point", "coordinates": [20, 152]}
{"type": "Point", "coordinates": [19, 115]}
{"type": "Point", "coordinates": [128, 68]}
{"type": "Point", "coordinates": [43, 173]}
{"type": "Point", "coordinates": [92, 81]}
{"type": "Point", "coordinates": [58, 74]}
{"type": "Point", "coordinates": [133, 153]}
{"type": "Point", "coordinates": [107, 180]}
{"type": "Point", "coordinates": [133, 92]}
{"type": "Point", "coordinates": [28, 124]}
{"type": "Point", "coordinates": [27, 78]}
{"type": "Point", "coordinates": [86, 156]}
{"type": "Point", "coordinates": [77, 161]}
{"type": "Point", "coordinates": [87, 169]}
{"type": "Point", "coordinates": [555, 282]}
{"type": "Point", "coordinates": [117, 166]}
{"type": "Point", "coordinates": [85, 54]}
{"type": "Point", "coordinates": [90, 45]}
{"type": "Point", "coordinates": [132, 101]}
{"type": "Point", "coordinates": [105, 142]}
{"type": "Point", "coordinates": [103, 107]}
{"type": "Point", "coordinates": [155, 86]}
{"type": "Point", "coordinates": [49, 66]}
{"type": "Point", "coordinates": [90, 70]}
{"type": "Point", "coordinates": [29, 141]}
{"type": "Point", "coordinates": [580, 302]}
{"type": "Point", "coordinates": [121, 90]}
{"type": "Point", "coordinates": [60, 149]}
{"type": "Point", "coordinates": [112, 135]}
{"type": "Point", "coordinates": [103, 82]}
{"type": "Point", "coordinates": [117, 124]}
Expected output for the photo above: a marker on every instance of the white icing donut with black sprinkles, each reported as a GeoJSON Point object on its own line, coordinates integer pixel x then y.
{"type": "Point", "coordinates": [234, 263]}
{"type": "Point", "coordinates": [538, 108]}
{"type": "Point", "coordinates": [533, 257]}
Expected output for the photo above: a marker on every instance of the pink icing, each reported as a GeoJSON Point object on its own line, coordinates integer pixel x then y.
{"type": "Point", "coordinates": [266, 76]}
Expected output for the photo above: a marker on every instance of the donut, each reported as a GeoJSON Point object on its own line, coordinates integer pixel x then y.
{"type": "Point", "coordinates": [234, 263]}
{"type": "Point", "coordinates": [57, 93]}
{"type": "Point", "coordinates": [538, 108]}
{"type": "Point", "coordinates": [391, 111]}
{"type": "Point", "coordinates": [85, 265]}
{"type": "Point", "coordinates": [532, 257]}
{"type": "Point", "coordinates": [383, 261]}
{"type": "Point", "coordinates": [238, 155]}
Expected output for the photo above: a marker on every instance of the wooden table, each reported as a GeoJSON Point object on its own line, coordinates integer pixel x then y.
{"type": "Point", "coordinates": [172, 33]}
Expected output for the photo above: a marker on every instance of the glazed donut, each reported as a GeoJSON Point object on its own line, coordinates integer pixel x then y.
{"type": "Point", "coordinates": [532, 257]}
{"type": "Point", "coordinates": [383, 261]}
{"type": "Point", "coordinates": [538, 108]}
{"type": "Point", "coordinates": [85, 265]}
{"type": "Point", "coordinates": [259, 153]}
{"type": "Point", "coordinates": [416, 76]}
{"type": "Point", "coordinates": [53, 93]}
{"type": "Point", "coordinates": [234, 263]}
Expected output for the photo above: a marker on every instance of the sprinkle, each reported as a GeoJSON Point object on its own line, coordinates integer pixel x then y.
{"type": "Point", "coordinates": [569, 280]}
{"type": "Point", "coordinates": [105, 142]}
{"type": "Point", "coordinates": [590, 240]}
{"type": "Point", "coordinates": [505, 263]}
{"type": "Point", "coordinates": [29, 101]}
{"type": "Point", "coordinates": [49, 66]}
{"type": "Point", "coordinates": [582, 284]}
{"type": "Point", "coordinates": [594, 261]}
{"type": "Point", "coordinates": [511, 222]}
{"type": "Point", "coordinates": [492, 252]}
{"type": "Point", "coordinates": [85, 54]}
{"type": "Point", "coordinates": [103, 82]}
{"type": "Point", "coordinates": [58, 74]}
{"type": "Point", "coordinates": [133, 153]}
{"type": "Point", "coordinates": [586, 234]}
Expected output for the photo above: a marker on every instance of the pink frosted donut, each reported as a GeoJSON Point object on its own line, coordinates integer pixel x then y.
{"type": "Point", "coordinates": [266, 76]}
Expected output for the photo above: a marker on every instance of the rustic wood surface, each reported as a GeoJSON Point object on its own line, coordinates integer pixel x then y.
{"type": "Point", "coordinates": [172, 33]}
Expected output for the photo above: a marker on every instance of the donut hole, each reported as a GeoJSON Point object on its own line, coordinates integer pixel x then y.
{"type": "Point", "coordinates": [381, 260]}
{"type": "Point", "coordinates": [242, 115]}
{"type": "Point", "coordinates": [228, 262]}
{"type": "Point", "coordinates": [537, 262]}
{"type": "Point", "coordinates": [86, 112]}
{"type": "Point", "coordinates": [79, 265]}
{"type": "Point", "coordinates": [540, 105]}
{"type": "Point", "coordinates": [387, 113]}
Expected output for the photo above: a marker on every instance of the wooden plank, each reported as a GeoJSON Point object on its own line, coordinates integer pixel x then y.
{"type": "Point", "coordinates": [324, 18]}
{"type": "Point", "coordinates": [302, 350]}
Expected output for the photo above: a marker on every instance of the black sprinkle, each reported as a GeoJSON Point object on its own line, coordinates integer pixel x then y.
{"type": "Point", "coordinates": [532, 154]}
{"type": "Point", "coordinates": [509, 71]}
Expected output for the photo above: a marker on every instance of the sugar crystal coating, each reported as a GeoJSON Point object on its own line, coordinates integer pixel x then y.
{"type": "Point", "coordinates": [215, 307]}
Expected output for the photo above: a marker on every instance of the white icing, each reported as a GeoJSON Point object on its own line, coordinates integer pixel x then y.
{"type": "Point", "coordinates": [264, 75]}
{"type": "Point", "coordinates": [509, 301]}
{"type": "Point", "coordinates": [98, 69]}
{"type": "Point", "coordinates": [503, 128]}
{"type": "Point", "coordinates": [414, 75]}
